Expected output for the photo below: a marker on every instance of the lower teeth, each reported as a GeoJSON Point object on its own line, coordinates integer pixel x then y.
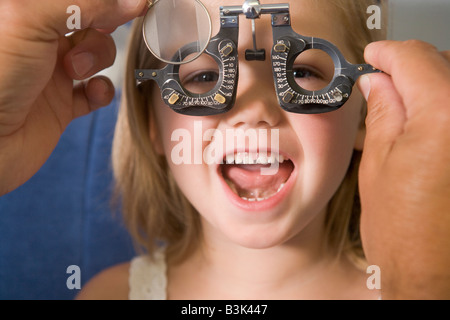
{"type": "Point", "coordinates": [256, 195]}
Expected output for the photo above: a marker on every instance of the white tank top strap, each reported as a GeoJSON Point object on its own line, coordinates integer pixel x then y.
{"type": "Point", "coordinates": [148, 280]}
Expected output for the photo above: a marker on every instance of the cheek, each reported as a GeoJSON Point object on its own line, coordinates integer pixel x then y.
{"type": "Point", "coordinates": [183, 136]}
{"type": "Point", "coordinates": [332, 134]}
{"type": "Point", "coordinates": [171, 126]}
{"type": "Point", "coordinates": [183, 145]}
{"type": "Point", "coordinates": [335, 132]}
{"type": "Point", "coordinates": [327, 142]}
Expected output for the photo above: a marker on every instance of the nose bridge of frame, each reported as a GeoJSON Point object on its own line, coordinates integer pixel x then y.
{"type": "Point", "coordinates": [252, 10]}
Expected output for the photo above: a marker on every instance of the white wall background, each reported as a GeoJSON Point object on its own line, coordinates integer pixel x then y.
{"type": "Point", "coordinates": [427, 20]}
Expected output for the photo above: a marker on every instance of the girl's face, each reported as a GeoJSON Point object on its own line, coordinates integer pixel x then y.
{"type": "Point", "coordinates": [236, 202]}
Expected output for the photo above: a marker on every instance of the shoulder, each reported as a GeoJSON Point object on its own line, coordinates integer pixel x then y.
{"type": "Point", "coordinates": [110, 284]}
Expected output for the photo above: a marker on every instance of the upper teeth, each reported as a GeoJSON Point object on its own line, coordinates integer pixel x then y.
{"type": "Point", "coordinates": [254, 158]}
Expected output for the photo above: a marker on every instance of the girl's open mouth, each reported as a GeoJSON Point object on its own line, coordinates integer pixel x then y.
{"type": "Point", "coordinates": [255, 178]}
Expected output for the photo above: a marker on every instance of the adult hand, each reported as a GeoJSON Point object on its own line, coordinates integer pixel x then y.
{"type": "Point", "coordinates": [38, 64]}
{"type": "Point", "coordinates": [405, 169]}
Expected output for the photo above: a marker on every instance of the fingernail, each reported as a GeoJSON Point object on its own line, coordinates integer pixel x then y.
{"type": "Point", "coordinates": [364, 86]}
{"type": "Point", "coordinates": [100, 86]}
{"type": "Point", "coordinates": [129, 4]}
{"type": "Point", "coordinates": [82, 63]}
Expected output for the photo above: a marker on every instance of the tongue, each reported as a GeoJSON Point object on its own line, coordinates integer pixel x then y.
{"type": "Point", "coordinates": [248, 181]}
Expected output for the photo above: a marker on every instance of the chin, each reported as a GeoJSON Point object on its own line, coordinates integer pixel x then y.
{"type": "Point", "coordinates": [257, 234]}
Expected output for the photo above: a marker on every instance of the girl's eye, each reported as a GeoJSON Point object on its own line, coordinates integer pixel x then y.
{"type": "Point", "coordinates": [309, 78]}
{"type": "Point", "coordinates": [302, 72]}
{"type": "Point", "coordinates": [210, 76]}
{"type": "Point", "coordinates": [201, 82]}
{"type": "Point", "coordinates": [313, 69]}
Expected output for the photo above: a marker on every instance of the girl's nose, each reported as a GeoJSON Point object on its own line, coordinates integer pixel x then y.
{"type": "Point", "coordinates": [256, 102]}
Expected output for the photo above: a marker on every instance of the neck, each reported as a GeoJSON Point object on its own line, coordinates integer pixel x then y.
{"type": "Point", "coordinates": [222, 269]}
{"type": "Point", "coordinates": [277, 263]}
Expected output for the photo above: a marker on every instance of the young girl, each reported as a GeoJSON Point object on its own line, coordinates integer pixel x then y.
{"type": "Point", "coordinates": [222, 231]}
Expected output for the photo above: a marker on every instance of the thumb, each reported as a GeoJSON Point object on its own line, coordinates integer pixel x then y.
{"type": "Point", "coordinates": [386, 115]}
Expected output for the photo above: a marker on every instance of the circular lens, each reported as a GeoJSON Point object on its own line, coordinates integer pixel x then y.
{"type": "Point", "coordinates": [313, 69]}
{"type": "Point", "coordinates": [199, 76]}
{"type": "Point", "coordinates": [171, 25]}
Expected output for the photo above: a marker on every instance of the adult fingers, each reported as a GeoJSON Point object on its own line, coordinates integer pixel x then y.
{"type": "Point", "coordinates": [386, 115]}
{"type": "Point", "coordinates": [54, 16]}
{"type": "Point", "coordinates": [446, 55]}
{"type": "Point", "coordinates": [101, 14]}
{"type": "Point", "coordinates": [92, 52]}
{"type": "Point", "coordinates": [407, 62]}
{"type": "Point", "coordinates": [91, 95]}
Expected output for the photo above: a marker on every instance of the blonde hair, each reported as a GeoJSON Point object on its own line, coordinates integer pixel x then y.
{"type": "Point", "coordinates": [155, 210]}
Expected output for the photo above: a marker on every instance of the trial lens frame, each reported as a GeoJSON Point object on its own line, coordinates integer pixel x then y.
{"type": "Point", "coordinates": [287, 46]}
